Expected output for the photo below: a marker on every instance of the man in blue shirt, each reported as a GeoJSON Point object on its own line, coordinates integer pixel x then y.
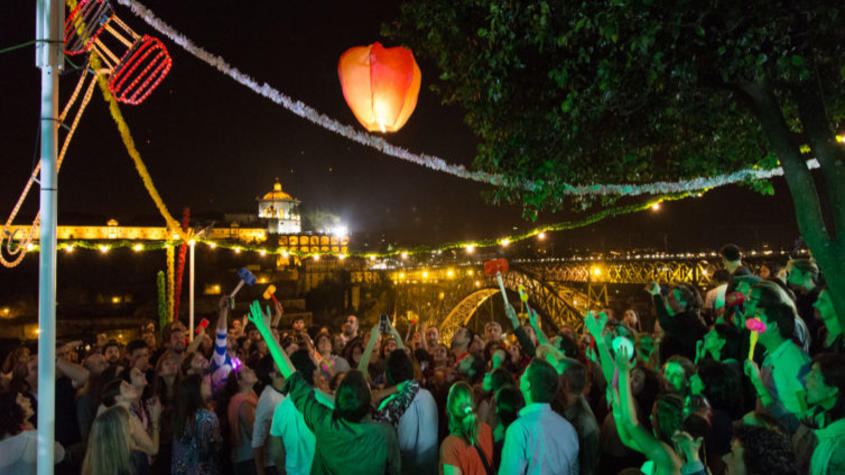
{"type": "Point", "coordinates": [540, 441]}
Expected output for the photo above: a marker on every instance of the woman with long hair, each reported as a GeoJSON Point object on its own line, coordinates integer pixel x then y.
{"type": "Point", "coordinates": [18, 440]}
{"type": "Point", "coordinates": [109, 444]}
{"type": "Point", "coordinates": [196, 430]}
{"type": "Point", "coordinates": [468, 449]}
{"type": "Point", "coordinates": [236, 407]}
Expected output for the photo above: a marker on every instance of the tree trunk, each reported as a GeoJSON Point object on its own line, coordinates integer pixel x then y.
{"type": "Point", "coordinates": [826, 244]}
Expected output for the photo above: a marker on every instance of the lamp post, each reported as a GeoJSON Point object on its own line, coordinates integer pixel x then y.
{"type": "Point", "coordinates": [49, 20]}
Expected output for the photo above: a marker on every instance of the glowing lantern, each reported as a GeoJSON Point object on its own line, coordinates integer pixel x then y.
{"type": "Point", "coordinates": [380, 85]}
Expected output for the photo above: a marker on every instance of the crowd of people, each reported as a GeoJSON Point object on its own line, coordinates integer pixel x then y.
{"type": "Point", "coordinates": [749, 379]}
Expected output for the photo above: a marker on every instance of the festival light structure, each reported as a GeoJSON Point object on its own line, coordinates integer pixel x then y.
{"type": "Point", "coordinates": [380, 85]}
{"type": "Point", "coordinates": [135, 73]}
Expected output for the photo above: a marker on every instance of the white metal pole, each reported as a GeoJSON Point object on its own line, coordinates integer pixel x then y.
{"type": "Point", "coordinates": [48, 56]}
{"type": "Point", "coordinates": [191, 246]}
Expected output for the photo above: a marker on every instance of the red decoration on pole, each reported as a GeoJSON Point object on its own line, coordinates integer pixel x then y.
{"type": "Point", "coordinates": [180, 271]}
{"type": "Point", "coordinates": [380, 85]}
{"type": "Point", "coordinates": [85, 24]}
{"type": "Point", "coordinates": [140, 70]}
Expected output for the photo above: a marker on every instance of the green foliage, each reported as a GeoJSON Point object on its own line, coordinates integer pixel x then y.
{"type": "Point", "coordinates": [616, 91]}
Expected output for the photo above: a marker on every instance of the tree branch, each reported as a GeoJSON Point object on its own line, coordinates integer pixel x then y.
{"type": "Point", "coordinates": [805, 197]}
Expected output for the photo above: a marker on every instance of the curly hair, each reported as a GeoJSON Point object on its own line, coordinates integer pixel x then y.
{"type": "Point", "coordinates": [765, 451]}
{"type": "Point", "coordinates": [720, 386]}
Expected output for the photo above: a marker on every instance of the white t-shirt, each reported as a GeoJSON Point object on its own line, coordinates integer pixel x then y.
{"type": "Point", "coordinates": [267, 402]}
{"type": "Point", "coordinates": [300, 443]}
{"type": "Point", "coordinates": [19, 453]}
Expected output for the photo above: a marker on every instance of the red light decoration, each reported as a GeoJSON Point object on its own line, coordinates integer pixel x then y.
{"type": "Point", "coordinates": [380, 85]}
{"type": "Point", "coordinates": [140, 70]}
{"type": "Point", "coordinates": [85, 24]}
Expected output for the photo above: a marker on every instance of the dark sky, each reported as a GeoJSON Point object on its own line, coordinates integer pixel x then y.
{"type": "Point", "coordinates": [213, 145]}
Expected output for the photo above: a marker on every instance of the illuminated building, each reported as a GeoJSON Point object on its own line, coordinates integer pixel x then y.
{"type": "Point", "coordinates": [280, 211]}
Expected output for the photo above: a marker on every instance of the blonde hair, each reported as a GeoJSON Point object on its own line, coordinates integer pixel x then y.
{"type": "Point", "coordinates": [463, 421]}
{"type": "Point", "coordinates": [108, 444]}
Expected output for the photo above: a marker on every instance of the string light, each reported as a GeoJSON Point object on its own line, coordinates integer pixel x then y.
{"type": "Point", "coordinates": [30, 246]}
{"type": "Point", "coordinates": [340, 256]}
{"type": "Point", "coordinates": [69, 249]}
{"type": "Point", "coordinates": [450, 273]}
{"type": "Point", "coordinates": [316, 257]}
{"type": "Point", "coordinates": [425, 274]}
{"type": "Point", "coordinates": [470, 249]}
{"type": "Point", "coordinates": [541, 236]}
{"type": "Point", "coordinates": [137, 248]}
{"type": "Point", "coordinates": [212, 245]}
{"type": "Point", "coordinates": [104, 249]}
{"type": "Point", "coordinates": [263, 252]}
{"type": "Point", "coordinates": [655, 207]}
{"type": "Point", "coordinates": [505, 242]}
{"type": "Point", "coordinates": [237, 250]}
{"type": "Point", "coordinates": [404, 255]}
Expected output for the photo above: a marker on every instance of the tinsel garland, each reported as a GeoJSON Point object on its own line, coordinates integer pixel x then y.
{"type": "Point", "coordinates": [433, 162]}
{"type": "Point", "coordinates": [162, 300]}
{"type": "Point", "coordinates": [171, 252]}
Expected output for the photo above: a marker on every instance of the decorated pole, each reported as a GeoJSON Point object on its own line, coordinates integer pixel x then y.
{"type": "Point", "coordinates": [180, 265]}
{"type": "Point", "coordinates": [49, 20]}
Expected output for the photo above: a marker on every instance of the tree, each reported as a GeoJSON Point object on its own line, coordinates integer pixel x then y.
{"type": "Point", "coordinates": [618, 91]}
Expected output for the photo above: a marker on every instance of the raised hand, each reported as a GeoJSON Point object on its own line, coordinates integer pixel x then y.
{"type": "Point", "coordinates": [595, 326]}
{"type": "Point", "coordinates": [623, 359]}
{"type": "Point", "coordinates": [533, 318]}
{"type": "Point", "coordinates": [684, 443]}
{"type": "Point", "coordinates": [511, 314]}
{"type": "Point", "coordinates": [256, 315]}
{"type": "Point", "coordinates": [752, 370]}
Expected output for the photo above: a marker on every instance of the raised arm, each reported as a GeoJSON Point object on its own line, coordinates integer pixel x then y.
{"type": "Point", "coordinates": [596, 328]}
{"type": "Point", "coordinates": [523, 339]}
{"type": "Point", "coordinates": [281, 358]}
{"type": "Point", "coordinates": [368, 352]}
{"type": "Point", "coordinates": [663, 456]}
{"type": "Point", "coordinates": [395, 334]}
{"type": "Point", "coordinates": [534, 320]}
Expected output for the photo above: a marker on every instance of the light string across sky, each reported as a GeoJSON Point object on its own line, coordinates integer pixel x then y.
{"type": "Point", "coordinates": [435, 163]}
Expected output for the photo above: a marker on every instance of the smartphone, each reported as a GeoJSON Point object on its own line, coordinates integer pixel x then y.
{"type": "Point", "coordinates": [383, 324]}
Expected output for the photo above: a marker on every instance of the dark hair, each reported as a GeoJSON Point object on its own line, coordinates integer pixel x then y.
{"type": "Point", "coordinates": [765, 451]}
{"type": "Point", "coordinates": [721, 386]}
{"type": "Point", "coordinates": [777, 311]}
{"type": "Point", "coordinates": [301, 360]}
{"type": "Point", "coordinates": [489, 348]}
{"type": "Point", "coordinates": [806, 266]}
{"type": "Point", "coordinates": [352, 398]}
{"type": "Point", "coordinates": [832, 368]}
{"type": "Point", "coordinates": [670, 416]}
{"type": "Point", "coordinates": [264, 368]}
{"type": "Point", "coordinates": [690, 295]}
{"type": "Point", "coordinates": [685, 364]}
{"type": "Point", "coordinates": [350, 347]}
{"type": "Point", "coordinates": [731, 252]}
{"type": "Point", "coordinates": [543, 380]}
{"type": "Point", "coordinates": [508, 403]}
{"type": "Point", "coordinates": [575, 376]}
{"type": "Point", "coordinates": [722, 276]}
{"type": "Point", "coordinates": [568, 346]}
{"type": "Point", "coordinates": [188, 401]}
{"type": "Point", "coordinates": [11, 414]}
{"type": "Point", "coordinates": [109, 344]}
{"type": "Point", "coordinates": [399, 367]}
{"type": "Point", "coordinates": [110, 391]}
{"type": "Point", "coordinates": [475, 372]}
{"type": "Point", "coordinates": [135, 345]}
{"type": "Point", "coordinates": [733, 341]}
{"type": "Point", "coordinates": [499, 378]}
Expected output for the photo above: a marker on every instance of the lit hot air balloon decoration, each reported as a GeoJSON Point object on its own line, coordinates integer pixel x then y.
{"type": "Point", "coordinates": [380, 85]}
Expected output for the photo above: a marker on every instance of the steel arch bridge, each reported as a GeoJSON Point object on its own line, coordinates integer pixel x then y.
{"type": "Point", "coordinates": [561, 290]}
{"type": "Point", "coordinates": [458, 297]}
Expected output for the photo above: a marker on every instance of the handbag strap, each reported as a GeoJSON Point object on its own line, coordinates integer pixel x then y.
{"type": "Point", "coordinates": [483, 460]}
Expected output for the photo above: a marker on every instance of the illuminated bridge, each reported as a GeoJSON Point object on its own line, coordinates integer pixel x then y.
{"type": "Point", "coordinates": [559, 289]}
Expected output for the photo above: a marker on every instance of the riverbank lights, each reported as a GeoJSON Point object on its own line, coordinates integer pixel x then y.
{"type": "Point", "coordinates": [655, 207]}
{"type": "Point", "coordinates": [380, 85]}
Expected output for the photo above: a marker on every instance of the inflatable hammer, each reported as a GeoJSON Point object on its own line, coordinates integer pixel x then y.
{"type": "Point", "coordinates": [270, 293]}
{"type": "Point", "coordinates": [202, 326]}
{"type": "Point", "coordinates": [756, 326]}
{"type": "Point", "coordinates": [246, 278]}
{"type": "Point", "coordinates": [498, 267]}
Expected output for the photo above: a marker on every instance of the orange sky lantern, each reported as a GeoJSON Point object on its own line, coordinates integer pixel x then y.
{"type": "Point", "coordinates": [380, 85]}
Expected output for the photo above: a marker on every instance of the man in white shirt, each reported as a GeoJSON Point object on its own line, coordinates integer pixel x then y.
{"type": "Point", "coordinates": [413, 412]}
{"type": "Point", "coordinates": [298, 444]}
{"type": "Point", "coordinates": [270, 397]}
{"type": "Point", "coordinates": [539, 441]}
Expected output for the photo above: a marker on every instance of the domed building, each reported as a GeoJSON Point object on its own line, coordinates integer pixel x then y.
{"type": "Point", "coordinates": [280, 210]}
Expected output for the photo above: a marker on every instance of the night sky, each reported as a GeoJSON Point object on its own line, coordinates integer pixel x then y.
{"type": "Point", "coordinates": [214, 146]}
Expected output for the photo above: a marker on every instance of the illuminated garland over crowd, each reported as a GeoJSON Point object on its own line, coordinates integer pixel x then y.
{"type": "Point", "coordinates": [429, 161]}
{"type": "Point", "coordinates": [468, 246]}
